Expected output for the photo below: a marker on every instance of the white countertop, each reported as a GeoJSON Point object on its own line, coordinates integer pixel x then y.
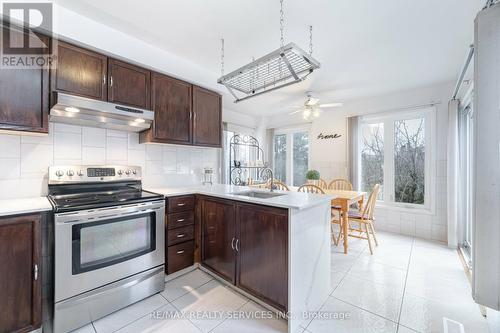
{"type": "Point", "coordinates": [24, 206]}
{"type": "Point", "coordinates": [293, 200]}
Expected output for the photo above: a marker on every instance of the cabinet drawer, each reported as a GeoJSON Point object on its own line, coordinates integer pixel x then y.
{"type": "Point", "coordinates": [180, 256]}
{"type": "Point", "coordinates": [179, 235]}
{"type": "Point", "coordinates": [180, 219]}
{"type": "Point", "coordinates": [180, 203]}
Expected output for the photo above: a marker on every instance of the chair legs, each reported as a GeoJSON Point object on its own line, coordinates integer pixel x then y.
{"type": "Point", "coordinates": [373, 233]}
{"type": "Point", "coordinates": [334, 239]}
{"type": "Point", "coordinates": [368, 237]}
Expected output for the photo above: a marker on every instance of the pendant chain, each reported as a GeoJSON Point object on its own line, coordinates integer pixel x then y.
{"type": "Point", "coordinates": [222, 57]}
{"type": "Point", "coordinates": [282, 23]}
{"type": "Point", "coordinates": [310, 40]}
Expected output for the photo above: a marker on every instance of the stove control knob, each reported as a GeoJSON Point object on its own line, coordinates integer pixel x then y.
{"type": "Point", "coordinates": [59, 173]}
{"type": "Point", "coordinates": [120, 172]}
{"type": "Point", "coordinates": [134, 172]}
{"type": "Point", "coordinates": [80, 173]}
{"type": "Point", "coordinates": [70, 173]}
{"type": "Point", "coordinates": [128, 172]}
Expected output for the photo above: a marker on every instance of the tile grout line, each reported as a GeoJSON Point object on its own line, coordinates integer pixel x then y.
{"type": "Point", "coordinates": [404, 288]}
{"type": "Point", "coordinates": [365, 310]}
{"type": "Point", "coordinates": [213, 329]}
{"type": "Point", "coordinates": [130, 323]}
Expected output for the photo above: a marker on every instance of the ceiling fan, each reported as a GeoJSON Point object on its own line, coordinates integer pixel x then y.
{"type": "Point", "coordinates": [312, 108]}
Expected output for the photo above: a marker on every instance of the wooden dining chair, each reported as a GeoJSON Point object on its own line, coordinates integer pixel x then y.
{"type": "Point", "coordinates": [322, 183]}
{"type": "Point", "coordinates": [278, 186]}
{"type": "Point", "coordinates": [344, 185]}
{"type": "Point", "coordinates": [311, 188]}
{"type": "Point", "coordinates": [340, 184]}
{"type": "Point", "coordinates": [365, 219]}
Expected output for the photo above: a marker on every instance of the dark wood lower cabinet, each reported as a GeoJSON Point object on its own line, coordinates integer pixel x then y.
{"type": "Point", "coordinates": [218, 237]}
{"type": "Point", "coordinates": [180, 256]}
{"type": "Point", "coordinates": [20, 273]}
{"type": "Point", "coordinates": [262, 268]}
{"type": "Point", "coordinates": [247, 245]}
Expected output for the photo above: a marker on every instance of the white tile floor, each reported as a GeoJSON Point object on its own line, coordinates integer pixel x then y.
{"type": "Point", "coordinates": [407, 286]}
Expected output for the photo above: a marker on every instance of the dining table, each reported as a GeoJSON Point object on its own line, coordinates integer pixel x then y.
{"type": "Point", "coordinates": [344, 199]}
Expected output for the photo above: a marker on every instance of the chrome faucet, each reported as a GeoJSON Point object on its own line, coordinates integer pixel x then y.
{"type": "Point", "coordinates": [270, 172]}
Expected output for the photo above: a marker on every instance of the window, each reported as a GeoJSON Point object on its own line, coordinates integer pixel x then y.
{"type": "Point", "coordinates": [291, 156]}
{"type": "Point", "coordinates": [396, 153]}
{"type": "Point", "coordinates": [280, 157]}
{"type": "Point", "coordinates": [300, 157]}
{"type": "Point", "coordinates": [372, 157]}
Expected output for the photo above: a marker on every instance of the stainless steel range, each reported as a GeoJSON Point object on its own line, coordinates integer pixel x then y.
{"type": "Point", "coordinates": [109, 241]}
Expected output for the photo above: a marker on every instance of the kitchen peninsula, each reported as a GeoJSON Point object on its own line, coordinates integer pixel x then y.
{"type": "Point", "coordinates": [272, 246]}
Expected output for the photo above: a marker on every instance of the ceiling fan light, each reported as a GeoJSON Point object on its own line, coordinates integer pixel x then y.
{"type": "Point", "coordinates": [315, 113]}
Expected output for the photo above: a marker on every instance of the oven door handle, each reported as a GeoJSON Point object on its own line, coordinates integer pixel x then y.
{"type": "Point", "coordinates": [82, 218]}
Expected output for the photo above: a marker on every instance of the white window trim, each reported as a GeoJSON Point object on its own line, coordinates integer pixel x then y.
{"type": "Point", "coordinates": [388, 118]}
{"type": "Point", "coordinates": [289, 131]}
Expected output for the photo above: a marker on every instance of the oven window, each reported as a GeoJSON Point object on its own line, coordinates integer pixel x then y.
{"type": "Point", "coordinates": [108, 242]}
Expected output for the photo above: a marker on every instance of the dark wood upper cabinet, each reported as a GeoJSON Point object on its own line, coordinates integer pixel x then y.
{"type": "Point", "coordinates": [262, 268]}
{"type": "Point", "coordinates": [80, 72]}
{"type": "Point", "coordinates": [128, 84]}
{"type": "Point", "coordinates": [20, 279]}
{"type": "Point", "coordinates": [171, 102]}
{"type": "Point", "coordinates": [218, 237]}
{"type": "Point", "coordinates": [207, 122]}
{"type": "Point", "coordinates": [24, 94]}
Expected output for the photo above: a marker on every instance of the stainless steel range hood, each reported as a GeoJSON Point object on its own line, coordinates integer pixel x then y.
{"type": "Point", "coordinates": [82, 111]}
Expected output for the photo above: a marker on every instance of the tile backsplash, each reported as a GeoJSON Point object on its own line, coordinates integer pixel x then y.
{"type": "Point", "coordinates": [24, 159]}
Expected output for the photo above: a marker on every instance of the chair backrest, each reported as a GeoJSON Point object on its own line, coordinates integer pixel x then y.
{"type": "Point", "coordinates": [322, 183]}
{"type": "Point", "coordinates": [279, 186]}
{"type": "Point", "coordinates": [340, 184]}
{"type": "Point", "coordinates": [369, 209]}
{"type": "Point", "coordinates": [310, 188]}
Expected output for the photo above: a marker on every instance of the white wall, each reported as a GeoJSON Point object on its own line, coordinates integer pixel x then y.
{"type": "Point", "coordinates": [329, 157]}
{"type": "Point", "coordinates": [24, 160]}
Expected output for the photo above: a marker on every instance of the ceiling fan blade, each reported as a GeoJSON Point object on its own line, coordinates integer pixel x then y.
{"type": "Point", "coordinates": [294, 112]}
{"type": "Point", "coordinates": [331, 105]}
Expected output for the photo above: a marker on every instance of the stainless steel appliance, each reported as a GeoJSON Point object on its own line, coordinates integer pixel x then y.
{"type": "Point", "coordinates": [109, 242]}
{"type": "Point", "coordinates": [89, 112]}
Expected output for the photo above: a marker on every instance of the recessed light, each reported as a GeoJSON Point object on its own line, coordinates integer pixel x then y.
{"type": "Point", "coordinates": [72, 109]}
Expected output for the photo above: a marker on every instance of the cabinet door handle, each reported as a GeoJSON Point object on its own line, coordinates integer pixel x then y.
{"type": "Point", "coordinates": [237, 248]}
{"type": "Point", "coordinates": [35, 272]}
{"type": "Point", "coordinates": [181, 204]}
{"type": "Point", "coordinates": [110, 81]}
{"type": "Point", "coordinates": [181, 220]}
{"type": "Point", "coordinates": [181, 235]}
{"type": "Point", "coordinates": [232, 243]}
{"type": "Point", "coordinates": [104, 79]}
{"type": "Point", "coordinates": [180, 252]}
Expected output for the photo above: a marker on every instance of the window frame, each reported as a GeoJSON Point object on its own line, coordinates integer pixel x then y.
{"type": "Point", "coordinates": [388, 119]}
{"type": "Point", "coordinates": [289, 131]}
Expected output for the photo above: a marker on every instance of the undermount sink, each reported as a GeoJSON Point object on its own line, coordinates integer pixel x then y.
{"type": "Point", "coordinates": [260, 195]}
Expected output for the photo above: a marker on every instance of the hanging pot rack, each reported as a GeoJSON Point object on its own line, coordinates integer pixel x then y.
{"type": "Point", "coordinates": [287, 65]}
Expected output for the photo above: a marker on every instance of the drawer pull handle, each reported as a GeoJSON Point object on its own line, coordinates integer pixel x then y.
{"type": "Point", "coordinates": [180, 252]}
{"type": "Point", "coordinates": [181, 204]}
{"type": "Point", "coordinates": [181, 235]}
{"type": "Point", "coordinates": [181, 220]}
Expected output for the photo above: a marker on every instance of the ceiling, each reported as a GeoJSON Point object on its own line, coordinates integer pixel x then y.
{"type": "Point", "coordinates": [366, 48]}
